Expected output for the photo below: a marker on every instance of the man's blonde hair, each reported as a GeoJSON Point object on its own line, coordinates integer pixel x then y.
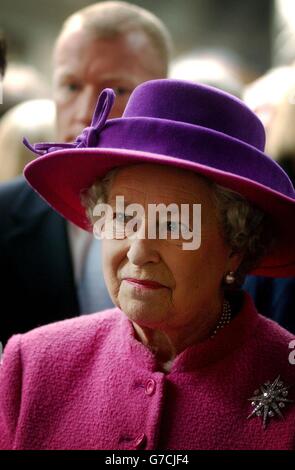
{"type": "Point", "coordinates": [108, 20]}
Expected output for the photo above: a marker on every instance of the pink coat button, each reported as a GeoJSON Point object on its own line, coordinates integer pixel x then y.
{"type": "Point", "coordinates": [150, 387]}
{"type": "Point", "coordinates": [140, 441]}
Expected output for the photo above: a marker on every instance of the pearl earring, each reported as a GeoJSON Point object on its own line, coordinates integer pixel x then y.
{"type": "Point", "coordinates": [230, 278]}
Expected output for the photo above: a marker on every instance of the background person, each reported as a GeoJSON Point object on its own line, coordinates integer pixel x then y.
{"type": "Point", "coordinates": [34, 119]}
{"type": "Point", "coordinates": [211, 67]}
{"type": "Point", "coordinates": [22, 82]}
{"type": "Point", "coordinates": [275, 297]}
{"type": "Point", "coordinates": [43, 258]}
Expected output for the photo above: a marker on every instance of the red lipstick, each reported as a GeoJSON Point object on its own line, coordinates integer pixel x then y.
{"type": "Point", "coordinates": [143, 283]}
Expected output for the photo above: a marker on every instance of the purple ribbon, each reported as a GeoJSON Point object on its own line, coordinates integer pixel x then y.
{"type": "Point", "coordinates": [89, 136]}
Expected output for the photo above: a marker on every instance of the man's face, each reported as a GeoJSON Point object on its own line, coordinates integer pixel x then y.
{"type": "Point", "coordinates": [85, 65]}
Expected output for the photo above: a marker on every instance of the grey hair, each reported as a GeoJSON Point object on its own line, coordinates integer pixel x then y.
{"type": "Point", "coordinates": [108, 20]}
{"type": "Point", "coordinates": [97, 194]}
{"type": "Point", "coordinates": [245, 228]}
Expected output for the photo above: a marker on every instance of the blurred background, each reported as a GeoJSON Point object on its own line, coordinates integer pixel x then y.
{"type": "Point", "coordinates": [259, 33]}
{"type": "Point", "coordinates": [244, 28]}
{"type": "Point", "coordinates": [244, 47]}
{"type": "Point", "coordinates": [256, 35]}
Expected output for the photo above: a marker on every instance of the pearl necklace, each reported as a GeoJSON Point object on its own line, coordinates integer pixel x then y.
{"type": "Point", "coordinates": [224, 319]}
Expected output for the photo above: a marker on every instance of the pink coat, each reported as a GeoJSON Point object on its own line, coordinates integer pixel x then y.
{"type": "Point", "coordinates": [87, 383]}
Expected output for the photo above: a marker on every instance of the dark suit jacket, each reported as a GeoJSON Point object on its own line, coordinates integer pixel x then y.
{"type": "Point", "coordinates": [274, 298]}
{"type": "Point", "coordinates": [36, 275]}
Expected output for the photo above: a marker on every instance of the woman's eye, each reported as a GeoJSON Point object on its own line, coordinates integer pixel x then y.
{"type": "Point", "coordinates": [121, 217]}
{"type": "Point", "coordinates": [173, 226]}
{"type": "Point", "coordinates": [177, 227]}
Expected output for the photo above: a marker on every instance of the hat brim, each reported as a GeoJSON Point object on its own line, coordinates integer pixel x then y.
{"type": "Point", "coordinates": [61, 176]}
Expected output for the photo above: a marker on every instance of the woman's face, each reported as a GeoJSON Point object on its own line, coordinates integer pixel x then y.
{"type": "Point", "coordinates": [181, 286]}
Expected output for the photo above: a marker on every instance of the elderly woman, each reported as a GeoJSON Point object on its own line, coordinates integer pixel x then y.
{"type": "Point", "coordinates": [183, 361]}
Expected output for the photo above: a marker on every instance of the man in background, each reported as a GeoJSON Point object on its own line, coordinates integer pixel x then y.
{"type": "Point", "coordinates": [44, 260]}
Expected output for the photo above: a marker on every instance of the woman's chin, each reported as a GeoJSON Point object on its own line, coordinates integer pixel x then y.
{"type": "Point", "coordinates": [143, 312]}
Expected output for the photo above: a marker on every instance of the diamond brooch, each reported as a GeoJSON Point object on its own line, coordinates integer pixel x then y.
{"type": "Point", "coordinates": [269, 401]}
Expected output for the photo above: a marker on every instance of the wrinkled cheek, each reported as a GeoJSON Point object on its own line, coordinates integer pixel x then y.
{"type": "Point", "coordinates": [111, 253]}
{"type": "Point", "coordinates": [111, 262]}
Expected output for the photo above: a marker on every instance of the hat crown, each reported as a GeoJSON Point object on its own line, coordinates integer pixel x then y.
{"type": "Point", "coordinates": [199, 105]}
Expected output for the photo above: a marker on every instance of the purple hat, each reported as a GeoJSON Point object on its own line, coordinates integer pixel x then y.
{"type": "Point", "coordinates": [179, 124]}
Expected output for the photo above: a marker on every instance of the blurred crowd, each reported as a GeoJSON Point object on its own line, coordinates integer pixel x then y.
{"type": "Point", "coordinates": [271, 96]}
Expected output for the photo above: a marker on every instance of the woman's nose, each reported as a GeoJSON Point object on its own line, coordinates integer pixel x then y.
{"type": "Point", "coordinates": [142, 251]}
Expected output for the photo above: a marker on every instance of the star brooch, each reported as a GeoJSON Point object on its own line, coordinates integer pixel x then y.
{"type": "Point", "coordinates": [269, 401]}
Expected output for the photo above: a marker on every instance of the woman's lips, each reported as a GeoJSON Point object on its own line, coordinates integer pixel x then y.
{"type": "Point", "coordinates": [145, 284]}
